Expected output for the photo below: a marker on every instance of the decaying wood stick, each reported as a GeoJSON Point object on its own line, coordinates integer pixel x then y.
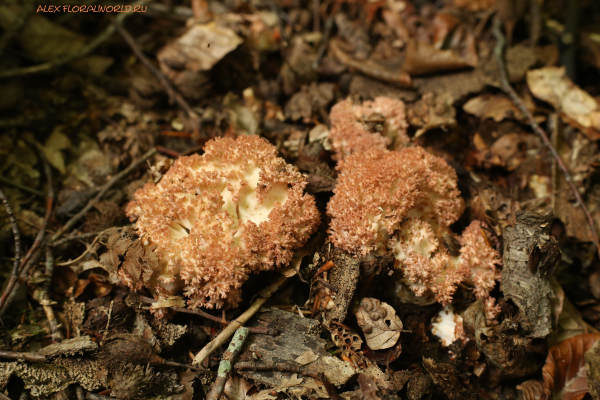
{"type": "Point", "coordinates": [27, 356]}
{"type": "Point", "coordinates": [263, 296]}
{"type": "Point", "coordinates": [226, 363]}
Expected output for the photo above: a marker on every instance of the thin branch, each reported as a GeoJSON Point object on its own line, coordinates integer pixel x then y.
{"type": "Point", "coordinates": [22, 187]}
{"type": "Point", "coordinates": [225, 365]}
{"type": "Point", "coordinates": [71, 262]}
{"type": "Point", "coordinates": [79, 53]}
{"type": "Point", "coordinates": [27, 262]}
{"type": "Point", "coordinates": [16, 233]}
{"type": "Point", "coordinates": [71, 223]}
{"type": "Point", "coordinates": [27, 356]}
{"type": "Point", "coordinates": [173, 94]}
{"type": "Point", "coordinates": [499, 54]}
{"type": "Point", "coordinates": [203, 314]}
{"type": "Point", "coordinates": [263, 296]}
{"type": "Point", "coordinates": [80, 236]}
{"type": "Point", "coordinates": [55, 333]}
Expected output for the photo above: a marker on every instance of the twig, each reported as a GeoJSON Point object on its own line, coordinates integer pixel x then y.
{"type": "Point", "coordinates": [27, 356]}
{"type": "Point", "coordinates": [370, 68]}
{"type": "Point", "coordinates": [169, 152]}
{"type": "Point", "coordinates": [293, 368]}
{"type": "Point", "coordinates": [498, 53]}
{"type": "Point", "coordinates": [325, 41]}
{"type": "Point", "coordinates": [225, 365]}
{"type": "Point", "coordinates": [17, 24]}
{"type": "Point", "coordinates": [55, 333]}
{"type": "Point", "coordinates": [79, 53]}
{"type": "Point", "coordinates": [22, 187]}
{"type": "Point", "coordinates": [71, 223]}
{"type": "Point", "coordinates": [203, 314]}
{"type": "Point", "coordinates": [27, 262]}
{"type": "Point", "coordinates": [88, 248]}
{"type": "Point", "coordinates": [79, 236]}
{"type": "Point", "coordinates": [280, 366]}
{"type": "Point", "coordinates": [107, 321]}
{"type": "Point", "coordinates": [16, 234]}
{"type": "Point", "coordinates": [13, 285]}
{"type": "Point", "coordinates": [3, 397]}
{"type": "Point", "coordinates": [260, 331]}
{"type": "Point", "coordinates": [171, 92]}
{"type": "Point", "coordinates": [263, 296]}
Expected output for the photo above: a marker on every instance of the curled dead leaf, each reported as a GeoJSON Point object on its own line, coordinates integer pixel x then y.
{"type": "Point", "coordinates": [577, 107]}
{"type": "Point", "coordinates": [564, 371]}
{"type": "Point", "coordinates": [495, 106]}
{"type": "Point", "coordinates": [379, 323]}
{"type": "Point", "coordinates": [368, 387]}
{"type": "Point", "coordinates": [531, 389]}
{"type": "Point", "coordinates": [423, 58]}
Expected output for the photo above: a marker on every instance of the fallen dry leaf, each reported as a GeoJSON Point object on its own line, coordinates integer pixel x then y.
{"type": "Point", "coordinates": [564, 371]}
{"type": "Point", "coordinates": [368, 387]}
{"type": "Point", "coordinates": [474, 5]}
{"type": "Point", "coordinates": [423, 58]}
{"type": "Point", "coordinates": [577, 107]}
{"type": "Point", "coordinates": [237, 388]}
{"type": "Point", "coordinates": [498, 107]}
{"type": "Point", "coordinates": [56, 143]}
{"type": "Point", "coordinates": [531, 389]}
{"type": "Point", "coordinates": [192, 51]}
{"type": "Point", "coordinates": [379, 323]}
{"type": "Point", "coordinates": [592, 370]}
{"type": "Point", "coordinates": [432, 111]}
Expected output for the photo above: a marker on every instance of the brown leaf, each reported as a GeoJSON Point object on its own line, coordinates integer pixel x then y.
{"type": "Point", "coordinates": [443, 24]}
{"type": "Point", "coordinates": [368, 387]}
{"type": "Point", "coordinates": [379, 323]}
{"type": "Point", "coordinates": [237, 388]}
{"type": "Point", "coordinates": [577, 107]}
{"type": "Point", "coordinates": [498, 107]}
{"type": "Point", "coordinates": [564, 372]}
{"type": "Point", "coordinates": [531, 389]}
{"type": "Point", "coordinates": [474, 5]}
{"type": "Point", "coordinates": [423, 58]}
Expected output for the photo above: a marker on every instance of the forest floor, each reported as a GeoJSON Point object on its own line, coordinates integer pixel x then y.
{"type": "Point", "coordinates": [97, 99]}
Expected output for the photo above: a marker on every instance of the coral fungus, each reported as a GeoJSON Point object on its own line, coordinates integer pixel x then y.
{"type": "Point", "coordinates": [404, 202]}
{"type": "Point", "coordinates": [350, 131]}
{"type": "Point", "coordinates": [214, 219]}
{"type": "Point", "coordinates": [377, 190]}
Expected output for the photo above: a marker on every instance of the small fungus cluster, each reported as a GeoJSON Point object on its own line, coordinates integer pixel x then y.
{"type": "Point", "coordinates": [216, 218]}
{"type": "Point", "coordinates": [372, 125]}
{"type": "Point", "coordinates": [404, 202]}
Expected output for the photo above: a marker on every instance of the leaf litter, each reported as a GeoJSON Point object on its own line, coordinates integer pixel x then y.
{"type": "Point", "coordinates": [90, 117]}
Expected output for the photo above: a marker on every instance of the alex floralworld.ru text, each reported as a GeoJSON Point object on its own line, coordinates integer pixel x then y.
{"type": "Point", "coordinates": [90, 8]}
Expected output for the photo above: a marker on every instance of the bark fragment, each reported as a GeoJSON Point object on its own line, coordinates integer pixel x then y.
{"type": "Point", "coordinates": [530, 254]}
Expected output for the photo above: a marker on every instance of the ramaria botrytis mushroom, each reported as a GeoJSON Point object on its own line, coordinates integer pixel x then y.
{"type": "Point", "coordinates": [218, 217]}
{"type": "Point", "coordinates": [403, 202]}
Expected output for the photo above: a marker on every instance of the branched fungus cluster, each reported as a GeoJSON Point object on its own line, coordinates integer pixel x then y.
{"type": "Point", "coordinates": [214, 219]}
